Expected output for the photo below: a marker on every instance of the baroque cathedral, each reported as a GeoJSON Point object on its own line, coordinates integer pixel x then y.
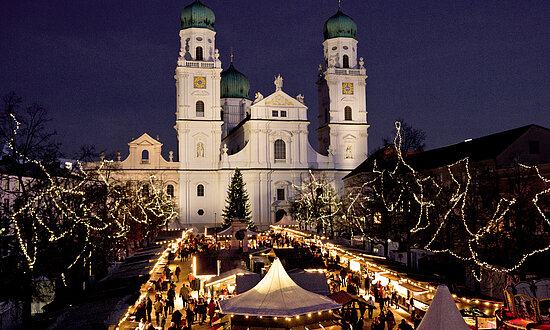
{"type": "Point", "coordinates": [220, 127]}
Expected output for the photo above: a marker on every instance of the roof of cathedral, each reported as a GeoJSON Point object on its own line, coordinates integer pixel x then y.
{"type": "Point", "coordinates": [234, 84]}
{"type": "Point", "coordinates": [197, 15]}
{"type": "Point", "coordinates": [339, 25]}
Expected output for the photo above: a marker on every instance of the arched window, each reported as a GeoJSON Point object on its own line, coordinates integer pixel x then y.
{"type": "Point", "coordinates": [170, 190]}
{"type": "Point", "coordinates": [199, 109]}
{"type": "Point", "coordinates": [200, 190]}
{"type": "Point", "coordinates": [280, 149]}
{"type": "Point", "coordinates": [345, 61]}
{"type": "Point", "coordinates": [347, 113]}
{"type": "Point", "coordinates": [198, 54]}
{"type": "Point", "coordinates": [145, 190]}
{"type": "Point", "coordinates": [145, 156]}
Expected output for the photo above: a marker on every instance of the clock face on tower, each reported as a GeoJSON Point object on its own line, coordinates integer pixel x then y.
{"type": "Point", "coordinates": [347, 88]}
{"type": "Point", "coordinates": [199, 82]}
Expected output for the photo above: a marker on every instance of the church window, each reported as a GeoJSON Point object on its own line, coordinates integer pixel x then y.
{"type": "Point", "coordinates": [6, 205]}
{"type": "Point", "coordinates": [274, 113]}
{"type": "Point", "coordinates": [221, 115]}
{"type": "Point", "coordinates": [200, 150]}
{"type": "Point", "coordinates": [198, 54]}
{"type": "Point", "coordinates": [170, 190]}
{"type": "Point", "coordinates": [347, 113]}
{"type": "Point", "coordinates": [283, 113]}
{"type": "Point", "coordinates": [200, 212]}
{"type": "Point", "coordinates": [199, 109]}
{"type": "Point", "coordinates": [145, 156]}
{"type": "Point", "coordinates": [349, 152]}
{"type": "Point", "coordinates": [200, 190]}
{"type": "Point", "coordinates": [281, 194]}
{"type": "Point", "coordinates": [345, 61]}
{"type": "Point", "coordinates": [280, 150]}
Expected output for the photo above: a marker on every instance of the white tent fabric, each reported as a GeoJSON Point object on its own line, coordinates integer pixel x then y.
{"type": "Point", "coordinates": [277, 295]}
{"type": "Point", "coordinates": [443, 313]}
{"type": "Point", "coordinates": [228, 232]}
{"type": "Point", "coordinates": [285, 221]}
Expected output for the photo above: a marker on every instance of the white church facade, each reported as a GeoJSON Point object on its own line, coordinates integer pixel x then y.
{"type": "Point", "coordinates": [220, 128]}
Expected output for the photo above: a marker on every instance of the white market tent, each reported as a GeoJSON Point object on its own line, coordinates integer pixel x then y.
{"type": "Point", "coordinates": [286, 222]}
{"type": "Point", "coordinates": [277, 295]}
{"type": "Point", "coordinates": [443, 313]}
{"type": "Point", "coordinates": [229, 232]}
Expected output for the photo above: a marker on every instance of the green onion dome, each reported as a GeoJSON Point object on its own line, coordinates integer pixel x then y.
{"type": "Point", "coordinates": [234, 84]}
{"type": "Point", "coordinates": [197, 15]}
{"type": "Point", "coordinates": [339, 25]}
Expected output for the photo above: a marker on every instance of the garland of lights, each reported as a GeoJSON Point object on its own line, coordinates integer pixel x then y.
{"type": "Point", "coordinates": [458, 204]}
{"type": "Point", "coordinates": [418, 186]}
{"type": "Point", "coordinates": [66, 198]}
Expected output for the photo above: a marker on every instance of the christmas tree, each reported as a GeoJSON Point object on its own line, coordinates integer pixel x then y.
{"type": "Point", "coordinates": [237, 205]}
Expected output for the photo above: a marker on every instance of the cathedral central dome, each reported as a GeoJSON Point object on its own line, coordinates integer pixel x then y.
{"type": "Point", "coordinates": [234, 84]}
{"type": "Point", "coordinates": [197, 15]}
{"type": "Point", "coordinates": [339, 25]}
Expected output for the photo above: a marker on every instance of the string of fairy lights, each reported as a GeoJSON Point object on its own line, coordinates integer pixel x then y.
{"type": "Point", "coordinates": [62, 207]}
{"type": "Point", "coordinates": [425, 193]}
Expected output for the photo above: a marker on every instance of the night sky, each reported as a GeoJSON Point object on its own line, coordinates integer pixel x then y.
{"type": "Point", "coordinates": [455, 69]}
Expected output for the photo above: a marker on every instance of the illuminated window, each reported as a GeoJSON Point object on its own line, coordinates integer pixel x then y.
{"type": "Point", "coordinates": [200, 190]}
{"type": "Point", "coordinates": [280, 150]}
{"type": "Point", "coordinates": [198, 54]}
{"type": "Point", "coordinates": [347, 113]}
{"type": "Point", "coordinates": [377, 218]}
{"type": "Point", "coordinates": [199, 109]}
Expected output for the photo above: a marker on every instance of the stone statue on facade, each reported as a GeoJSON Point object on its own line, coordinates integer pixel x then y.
{"type": "Point", "coordinates": [300, 98]}
{"type": "Point", "coordinates": [258, 97]}
{"type": "Point", "coordinates": [278, 83]}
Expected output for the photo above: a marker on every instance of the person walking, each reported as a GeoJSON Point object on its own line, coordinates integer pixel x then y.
{"type": "Point", "coordinates": [158, 310]}
{"type": "Point", "coordinates": [184, 294]}
{"type": "Point", "coordinates": [211, 310]}
{"type": "Point", "coordinates": [390, 319]}
{"type": "Point", "coordinates": [370, 306]}
{"type": "Point", "coordinates": [149, 308]}
{"type": "Point", "coordinates": [178, 272]}
{"type": "Point", "coordinates": [190, 316]}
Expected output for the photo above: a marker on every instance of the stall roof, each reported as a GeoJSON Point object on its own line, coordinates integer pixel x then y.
{"type": "Point", "coordinates": [314, 282]}
{"type": "Point", "coordinates": [227, 275]}
{"type": "Point", "coordinates": [412, 287]}
{"type": "Point", "coordinates": [344, 298]}
{"type": "Point", "coordinates": [391, 277]}
{"type": "Point", "coordinates": [277, 295]}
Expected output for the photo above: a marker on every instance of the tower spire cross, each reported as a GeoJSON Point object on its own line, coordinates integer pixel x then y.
{"type": "Point", "coordinates": [339, 4]}
{"type": "Point", "coordinates": [231, 56]}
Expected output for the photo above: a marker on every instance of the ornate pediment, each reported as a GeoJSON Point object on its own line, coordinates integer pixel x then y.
{"type": "Point", "coordinates": [280, 100]}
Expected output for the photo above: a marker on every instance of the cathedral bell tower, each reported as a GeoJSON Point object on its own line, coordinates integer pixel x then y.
{"type": "Point", "coordinates": [198, 121]}
{"type": "Point", "coordinates": [342, 132]}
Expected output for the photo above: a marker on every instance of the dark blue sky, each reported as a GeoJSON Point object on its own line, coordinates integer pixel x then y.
{"type": "Point", "coordinates": [456, 69]}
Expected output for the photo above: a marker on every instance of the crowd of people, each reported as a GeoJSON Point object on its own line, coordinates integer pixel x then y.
{"type": "Point", "coordinates": [201, 310]}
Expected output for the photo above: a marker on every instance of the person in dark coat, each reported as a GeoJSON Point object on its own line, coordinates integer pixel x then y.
{"type": "Point", "coordinates": [190, 316]}
{"type": "Point", "coordinates": [176, 318]}
{"type": "Point", "coordinates": [149, 308]}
